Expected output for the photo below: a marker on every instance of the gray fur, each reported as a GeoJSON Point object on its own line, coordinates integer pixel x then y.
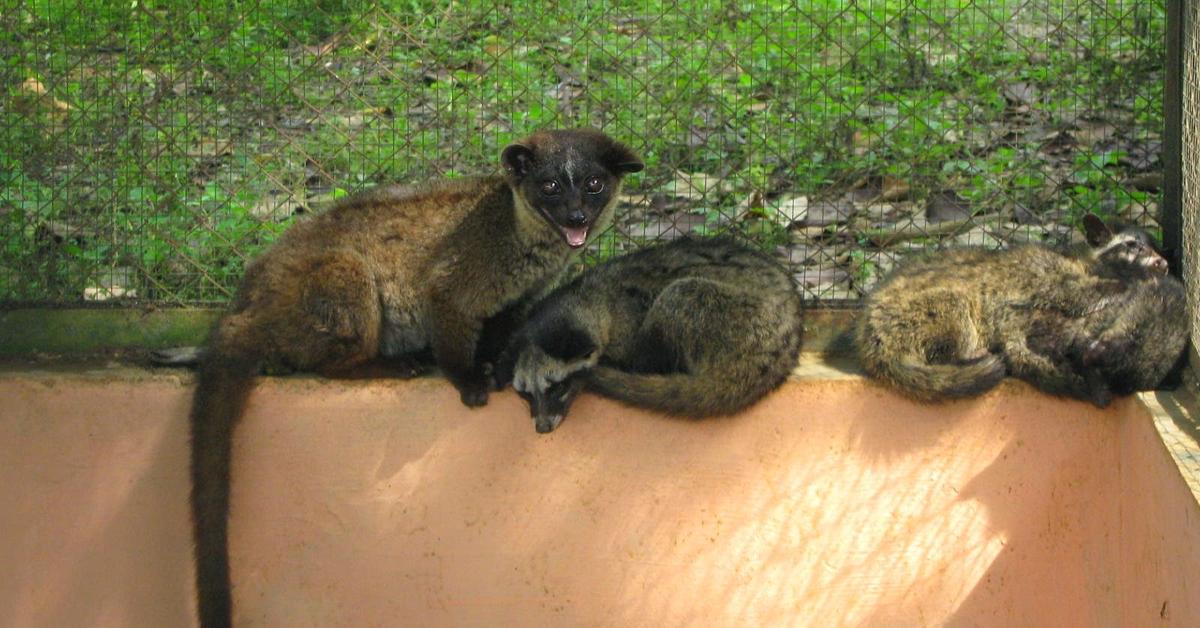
{"type": "Point", "coordinates": [693, 328]}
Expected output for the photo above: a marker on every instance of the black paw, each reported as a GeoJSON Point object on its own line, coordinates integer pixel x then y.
{"type": "Point", "coordinates": [501, 375]}
{"type": "Point", "coordinates": [1101, 398]}
{"type": "Point", "coordinates": [473, 396]}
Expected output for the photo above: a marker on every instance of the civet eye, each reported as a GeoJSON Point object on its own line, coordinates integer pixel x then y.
{"type": "Point", "coordinates": [594, 185]}
{"type": "Point", "coordinates": [550, 188]}
{"type": "Point", "coordinates": [1133, 244]}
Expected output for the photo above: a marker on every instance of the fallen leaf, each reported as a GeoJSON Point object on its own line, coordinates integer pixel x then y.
{"type": "Point", "coordinates": [894, 189]}
{"type": "Point", "coordinates": [946, 205]}
{"type": "Point", "coordinates": [885, 261]}
{"type": "Point", "coordinates": [1022, 215]}
{"type": "Point", "coordinates": [814, 276]}
{"type": "Point", "coordinates": [635, 200]}
{"type": "Point", "coordinates": [325, 47]}
{"type": "Point", "coordinates": [979, 236]}
{"type": "Point", "coordinates": [275, 207]}
{"type": "Point", "coordinates": [823, 213]}
{"type": "Point", "coordinates": [210, 147]}
{"type": "Point", "coordinates": [61, 230]}
{"type": "Point", "coordinates": [865, 189]}
{"type": "Point", "coordinates": [361, 117]}
{"type": "Point", "coordinates": [880, 212]}
{"type": "Point", "coordinates": [861, 142]}
{"type": "Point", "coordinates": [1020, 93]}
{"type": "Point", "coordinates": [33, 97]}
{"type": "Point", "coordinates": [669, 228]}
{"type": "Point", "coordinates": [791, 211]}
{"type": "Point", "coordinates": [1058, 142]}
{"type": "Point", "coordinates": [694, 186]}
{"type": "Point", "coordinates": [1142, 155]}
{"type": "Point", "coordinates": [115, 283]}
{"type": "Point", "coordinates": [754, 202]}
{"type": "Point", "coordinates": [1146, 181]}
{"type": "Point", "coordinates": [1093, 132]}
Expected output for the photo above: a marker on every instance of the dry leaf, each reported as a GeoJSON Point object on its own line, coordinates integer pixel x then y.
{"type": "Point", "coordinates": [1092, 133]}
{"type": "Point", "coordinates": [824, 213]}
{"type": "Point", "coordinates": [275, 207]}
{"type": "Point", "coordinates": [1020, 93]}
{"type": "Point", "coordinates": [210, 147]}
{"type": "Point", "coordinates": [1146, 181]}
{"type": "Point", "coordinates": [793, 210]}
{"type": "Point", "coordinates": [946, 205]}
{"type": "Point", "coordinates": [894, 189]}
{"type": "Point", "coordinates": [861, 142]}
{"type": "Point", "coordinates": [693, 186]}
{"type": "Point", "coordinates": [33, 97]}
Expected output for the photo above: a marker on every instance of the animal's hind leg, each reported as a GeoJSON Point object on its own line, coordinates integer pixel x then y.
{"type": "Point", "coordinates": [692, 322]}
{"type": "Point", "coordinates": [1055, 376]}
{"type": "Point", "coordinates": [337, 319]}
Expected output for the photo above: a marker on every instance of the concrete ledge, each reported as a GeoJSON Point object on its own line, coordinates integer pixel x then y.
{"type": "Point", "coordinates": [1177, 420]}
{"type": "Point", "coordinates": [383, 502]}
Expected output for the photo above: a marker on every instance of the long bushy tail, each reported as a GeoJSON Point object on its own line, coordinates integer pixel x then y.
{"type": "Point", "coordinates": [934, 382]}
{"type": "Point", "coordinates": [224, 381]}
{"type": "Point", "coordinates": [678, 394]}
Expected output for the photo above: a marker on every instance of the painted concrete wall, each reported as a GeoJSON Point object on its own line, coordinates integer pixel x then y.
{"type": "Point", "coordinates": [387, 503]}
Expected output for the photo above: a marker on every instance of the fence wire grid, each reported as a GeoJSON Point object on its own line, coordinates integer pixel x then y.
{"type": "Point", "coordinates": [1190, 58]}
{"type": "Point", "coordinates": [149, 149]}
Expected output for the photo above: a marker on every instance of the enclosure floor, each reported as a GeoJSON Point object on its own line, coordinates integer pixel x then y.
{"type": "Point", "coordinates": [386, 503]}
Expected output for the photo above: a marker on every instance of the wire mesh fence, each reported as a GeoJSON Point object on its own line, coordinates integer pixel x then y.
{"type": "Point", "coordinates": [148, 149]}
{"type": "Point", "coordinates": [1191, 168]}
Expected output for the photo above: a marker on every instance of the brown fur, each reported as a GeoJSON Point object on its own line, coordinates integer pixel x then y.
{"type": "Point", "coordinates": [393, 272]}
{"type": "Point", "coordinates": [952, 323]}
{"type": "Point", "coordinates": [1122, 348]}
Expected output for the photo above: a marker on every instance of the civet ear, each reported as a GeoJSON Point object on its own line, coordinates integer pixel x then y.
{"type": "Point", "coordinates": [1096, 230]}
{"type": "Point", "coordinates": [517, 159]}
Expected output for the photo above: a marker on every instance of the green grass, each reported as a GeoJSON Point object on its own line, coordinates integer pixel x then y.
{"type": "Point", "coordinates": [190, 121]}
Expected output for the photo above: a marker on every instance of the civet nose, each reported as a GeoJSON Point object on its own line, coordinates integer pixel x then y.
{"type": "Point", "coordinates": [576, 219]}
{"type": "Point", "coordinates": [1159, 264]}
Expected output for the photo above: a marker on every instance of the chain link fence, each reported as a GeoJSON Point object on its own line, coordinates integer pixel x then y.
{"type": "Point", "coordinates": [1191, 167]}
{"type": "Point", "coordinates": [149, 149]}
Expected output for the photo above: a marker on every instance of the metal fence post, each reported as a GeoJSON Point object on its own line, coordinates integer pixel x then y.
{"type": "Point", "coordinates": [1172, 203]}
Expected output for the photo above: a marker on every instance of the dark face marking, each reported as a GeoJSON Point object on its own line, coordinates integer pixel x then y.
{"type": "Point", "coordinates": [1132, 253]}
{"type": "Point", "coordinates": [570, 177]}
{"type": "Point", "coordinates": [566, 343]}
{"type": "Point", "coordinates": [564, 200]}
{"type": "Point", "coordinates": [549, 407]}
{"type": "Point", "coordinates": [1125, 252]}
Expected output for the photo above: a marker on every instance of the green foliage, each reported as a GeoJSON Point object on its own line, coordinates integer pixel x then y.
{"type": "Point", "coordinates": [186, 117]}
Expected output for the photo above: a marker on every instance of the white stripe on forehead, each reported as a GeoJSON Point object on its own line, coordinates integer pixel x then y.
{"type": "Point", "coordinates": [571, 163]}
{"type": "Point", "coordinates": [1118, 240]}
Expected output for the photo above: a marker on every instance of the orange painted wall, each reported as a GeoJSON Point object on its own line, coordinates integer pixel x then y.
{"type": "Point", "coordinates": [386, 503]}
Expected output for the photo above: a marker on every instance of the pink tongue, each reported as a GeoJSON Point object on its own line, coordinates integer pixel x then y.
{"type": "Point", "coordinates": [576, 236]}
